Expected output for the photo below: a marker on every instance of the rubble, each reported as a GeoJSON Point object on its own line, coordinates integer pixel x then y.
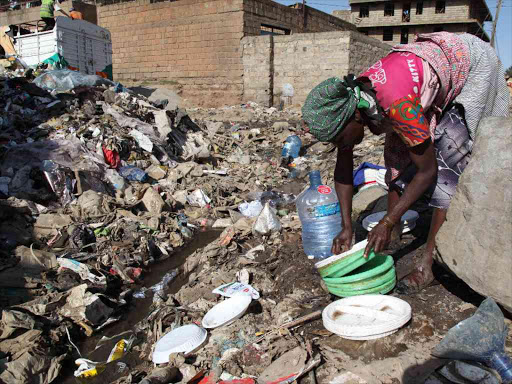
{"type": "Point", "coordinates": [129, 217]}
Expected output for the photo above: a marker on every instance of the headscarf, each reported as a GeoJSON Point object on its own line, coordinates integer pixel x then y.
{"type": "Point", "coordinates": [331, 104]}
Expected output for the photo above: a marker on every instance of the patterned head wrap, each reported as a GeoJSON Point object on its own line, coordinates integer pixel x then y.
{"type": "Point", "coordinates": [331, 104]}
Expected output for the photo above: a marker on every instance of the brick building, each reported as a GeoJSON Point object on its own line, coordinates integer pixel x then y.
{"type": "Point", "coordinates": [397, 21]}
{"type": "Point", "coordinates": [194, 45]}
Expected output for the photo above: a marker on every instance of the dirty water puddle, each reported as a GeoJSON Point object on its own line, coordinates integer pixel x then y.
{"type": "Point", "coordinates": [138, 309]}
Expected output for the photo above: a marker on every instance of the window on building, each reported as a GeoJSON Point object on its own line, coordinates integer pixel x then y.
{"type": "Point", "coordinates": [419, 8]}
{"type": "Point", "coordinates": [404, 36]}
{"type": "Point", "coordinates": [270, 30]}
{"type": "Point", "coordinates": [406, 12]}
{"type": "Point", "coordinates": [364, 10]}
{"type": "Point", "coordinates": [438, 29]}
{"type": "Point", "coordinates": [387, 35]}
{"type": "Point", "coordinates": [440, 6]}
{"type": "Point", "coordinates": [389, 9]}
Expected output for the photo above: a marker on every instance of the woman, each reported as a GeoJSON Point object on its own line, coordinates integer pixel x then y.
{"type": "Point", "coordinates": [428, 98]}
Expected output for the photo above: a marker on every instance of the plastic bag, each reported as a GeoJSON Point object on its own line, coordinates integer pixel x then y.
{"type": "Point", "coordinates": [251, 209]}
{"type": "Point", "coordinates": [236, 288]}
{"type": "Point", "coordinates": [198, 199]}
{"type": "Point", "coordinates": [266, 222]}
{"type": "Point", "coordinates": [132, 173]}
{"type": "Point", "coordinates": [65, 80]}
{"type": "Point", "coordinates": [59, 181]}
{"type": "Point", "coordinates": [82, 270]}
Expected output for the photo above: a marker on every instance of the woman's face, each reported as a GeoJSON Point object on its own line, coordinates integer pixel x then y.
{"type": "Point", "coordinates": [352, 135]}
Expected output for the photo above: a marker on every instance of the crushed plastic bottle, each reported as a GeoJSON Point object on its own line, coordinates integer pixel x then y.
{"type": "Point", "coordinates": [290, 150]}
{"type": "Point", "coordinates": [115, 179]}
{"type": "Point", "coordinates": [132, 173]}
{"type": "Point", "coordinates": [480, 338]}
{"type": "Point", "coordinates": [319, 213]}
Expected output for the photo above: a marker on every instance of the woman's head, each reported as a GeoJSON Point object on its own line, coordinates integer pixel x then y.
{"type": "Point", "coordinates": [332, 110]}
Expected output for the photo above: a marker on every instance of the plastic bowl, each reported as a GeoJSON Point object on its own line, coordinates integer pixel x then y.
{"type": "Point", "coordinates": [364, 285]}
{"type": "Point", "coordinates": [343, 264]}
{"type": "Point", "coordinates": [377, 266]}
{"type": "Point", "coordinates": [380, 289]}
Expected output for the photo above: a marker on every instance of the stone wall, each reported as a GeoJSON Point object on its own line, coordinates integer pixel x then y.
{"type": "Point", "coordinates": [303, 61]}
{"type": "Point", "coordinates": [32, 14]}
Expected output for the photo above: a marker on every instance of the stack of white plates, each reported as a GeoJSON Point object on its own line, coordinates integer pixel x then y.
{"type": "Point", "coordinates": [381, 178]}
{"type": "Point", "coordinates": [408, 220]}
{"type": "Point", "coordinates": [366, 317]}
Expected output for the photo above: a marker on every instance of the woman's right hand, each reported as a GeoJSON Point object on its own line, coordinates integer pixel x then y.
{"type": "Point", "coordinates": [342, 242]}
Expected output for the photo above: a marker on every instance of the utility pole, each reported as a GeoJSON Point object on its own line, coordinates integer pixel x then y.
{"type": "Point", "coordinates": [495, 22]}
{"type": "Point", "coordinates": [304, 15]}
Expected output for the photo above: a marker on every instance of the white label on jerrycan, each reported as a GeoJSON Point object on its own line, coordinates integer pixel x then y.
{"type": "Point", "coordinates": [327, 209]}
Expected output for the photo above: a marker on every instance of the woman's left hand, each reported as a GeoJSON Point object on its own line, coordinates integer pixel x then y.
{"type": "Point", "coordinates": [378, 238]}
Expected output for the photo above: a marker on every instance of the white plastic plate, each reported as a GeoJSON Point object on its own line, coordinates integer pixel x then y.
{"type": "Point", "coordinates": [227, 311]}
{"type": "Point", "coordinates": [183, 339]}
{"type": "Point", "coordinates": [329, 260]}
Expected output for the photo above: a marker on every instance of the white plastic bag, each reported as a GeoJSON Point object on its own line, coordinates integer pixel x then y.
{"type": "Point", "coordinates": [266, 222]}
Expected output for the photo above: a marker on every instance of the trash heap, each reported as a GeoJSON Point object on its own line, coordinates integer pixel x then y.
{"type": "Point", "coordinates": [99, 185]}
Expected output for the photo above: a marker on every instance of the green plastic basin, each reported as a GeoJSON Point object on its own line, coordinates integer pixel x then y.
{"type": "Point", "coordinates": [365, 284]}
{"type": "Point", "coordinates": [376, 266]}
{"type": "Point", "coordinates": [381, 289]}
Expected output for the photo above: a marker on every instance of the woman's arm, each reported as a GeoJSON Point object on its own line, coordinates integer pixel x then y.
{"type": "Point", "coordinates": [423, 156]}
{"type": "Point", "coordinates": [410, 124]}
{"type": "Point", "coordinates": [344, 190]}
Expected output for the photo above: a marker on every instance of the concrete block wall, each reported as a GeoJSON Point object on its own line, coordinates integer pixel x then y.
{"type": "Point", "coordinates": [364, 52]}
{"type": "Point", "coordinates": [304, 60]}
{"type": "Point", "coordinates": [193, 44]}
{"type": "Point", "coordinates": [258, 62]}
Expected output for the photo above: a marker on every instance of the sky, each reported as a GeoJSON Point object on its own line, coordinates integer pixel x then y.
{"type": "Point", "coordinates": [503, 31]}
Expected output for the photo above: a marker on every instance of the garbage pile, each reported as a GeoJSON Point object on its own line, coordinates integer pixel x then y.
{"type": "Point", "coordinates": [98, 185]}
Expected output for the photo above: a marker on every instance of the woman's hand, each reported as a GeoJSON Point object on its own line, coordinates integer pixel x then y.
{"type": "Point", "coordinates": [379, 237]}
{"type": "Point", "coordinates": [342, 242]}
